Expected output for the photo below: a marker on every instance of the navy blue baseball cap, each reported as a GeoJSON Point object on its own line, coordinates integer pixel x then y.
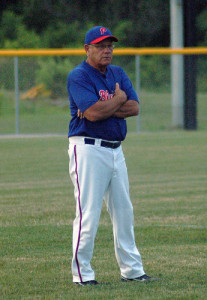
{"type": "Point", "coordinates": [98, 34]}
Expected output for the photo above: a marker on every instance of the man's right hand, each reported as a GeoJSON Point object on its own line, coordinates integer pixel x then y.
{"type": "Point", "coordinates": [80, 114]}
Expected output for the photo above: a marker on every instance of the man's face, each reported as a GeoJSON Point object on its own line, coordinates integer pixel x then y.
{"type": "Point", "coordinates": [100, 54]}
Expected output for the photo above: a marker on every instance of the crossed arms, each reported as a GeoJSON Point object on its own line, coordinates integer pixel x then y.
{"type": "Point", "coordinates": [118, 106]}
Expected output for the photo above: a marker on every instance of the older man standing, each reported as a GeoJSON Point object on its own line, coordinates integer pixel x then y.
{"type": "Point", "coordinates": [101, 97]}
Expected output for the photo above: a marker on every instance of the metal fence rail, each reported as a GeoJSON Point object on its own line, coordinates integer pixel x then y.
{"type": "Point", "coordinates": [120, 51]}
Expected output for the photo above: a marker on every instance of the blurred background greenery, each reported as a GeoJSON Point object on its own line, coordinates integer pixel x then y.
{"type": "Point", "coordinates": [63, 24]}
{"type": "Point", "coordinates": [57, 24]}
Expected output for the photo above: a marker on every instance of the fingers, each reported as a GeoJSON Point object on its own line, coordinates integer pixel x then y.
{"type": "Point", "coordinates": [80, 114]}
{"type": "Point", "coordinates": [117, 86]}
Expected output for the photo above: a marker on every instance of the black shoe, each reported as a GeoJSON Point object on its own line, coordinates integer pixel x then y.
{"type": "Point", "coordinates": [90, 282]}
{"type": "Point", "coordinates": [143, 278]}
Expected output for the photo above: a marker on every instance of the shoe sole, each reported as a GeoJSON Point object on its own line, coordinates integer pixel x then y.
{"type": "Point", "coordinates": [141, 281]}
{"type": "Point", "coordinates": [86, 284]}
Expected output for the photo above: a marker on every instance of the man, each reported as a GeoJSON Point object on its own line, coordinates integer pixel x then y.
{"type": "Point", "coordinates": [101, 97]}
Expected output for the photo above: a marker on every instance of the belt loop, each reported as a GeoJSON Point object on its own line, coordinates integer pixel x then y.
{"type": "Point", "coordinates": [98, 142]}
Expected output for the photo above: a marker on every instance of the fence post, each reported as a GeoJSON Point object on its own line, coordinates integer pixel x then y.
{"type": "Point", "coordinates": [190, 109]}
{"type": "Point", "coordinates": [16, 93]}
{"type": "Point", "coordinates": [137, 70]}
{"type": "Point", "coordinates": [177, 65]}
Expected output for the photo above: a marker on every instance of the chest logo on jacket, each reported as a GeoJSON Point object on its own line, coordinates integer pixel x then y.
{"type": "Point", "coordinates": [104, 95]}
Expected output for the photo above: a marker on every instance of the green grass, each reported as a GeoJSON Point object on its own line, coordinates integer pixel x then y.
{"type": "Point", "coordinates": [167, 174]}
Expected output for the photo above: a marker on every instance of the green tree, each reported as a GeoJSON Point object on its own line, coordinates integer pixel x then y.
{"type": "Point", "coordinates": [14, 33]}
{"type": "Point", "coordinates": [61, 23]}
{"type": "Point", "coordinates": [63, 35]}
{"type": "Point", "coordinates": [52, 72]}
{"type": "Point", "coordinates": [202, 28]}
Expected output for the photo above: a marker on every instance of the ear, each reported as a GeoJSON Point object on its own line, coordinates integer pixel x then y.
{"type": "Point", "coordinates": [86, 48]}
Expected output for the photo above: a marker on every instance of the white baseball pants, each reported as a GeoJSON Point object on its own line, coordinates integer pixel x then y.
{"type": "Point", "coordinates": [100, 173]}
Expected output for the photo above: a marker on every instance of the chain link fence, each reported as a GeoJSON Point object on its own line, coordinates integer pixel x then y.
{"type": "Point", "coordinates": [43, 106]}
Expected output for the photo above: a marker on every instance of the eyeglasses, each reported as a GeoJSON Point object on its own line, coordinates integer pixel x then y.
{"type": "Point", "coordinates": [102, 47]}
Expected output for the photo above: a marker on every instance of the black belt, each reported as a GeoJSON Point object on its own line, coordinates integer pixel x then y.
{"type": "Point", "coordinates": [105, 144]}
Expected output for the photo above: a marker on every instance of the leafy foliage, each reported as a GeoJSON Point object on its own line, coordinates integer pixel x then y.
{"type": "Point", "coordinates": [14, 33]}
{"type": "Point", "coordinates": [52, 72]}
{"type": "Point", "coordinates": [141, 23]}
{"type": "Point", "coordinates": [155, 72]}
{"type": "Point", "coordinates": [202, 27]}
{"type": "Point", "coordinates": [63, 35]}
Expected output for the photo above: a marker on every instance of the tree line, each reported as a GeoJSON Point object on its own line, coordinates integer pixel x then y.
{"type": "Point", "coordinates": [63, 23]}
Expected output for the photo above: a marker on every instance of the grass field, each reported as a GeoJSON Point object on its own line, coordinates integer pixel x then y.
{"type": "Point", "coordinates": [167, 173]}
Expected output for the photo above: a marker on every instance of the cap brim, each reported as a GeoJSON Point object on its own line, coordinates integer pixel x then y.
{"type": "Point", "coordinates": [103, 38]}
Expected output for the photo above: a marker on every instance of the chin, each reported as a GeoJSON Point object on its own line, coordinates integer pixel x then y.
{"type": "Point", "coordinates": [106, 61]}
